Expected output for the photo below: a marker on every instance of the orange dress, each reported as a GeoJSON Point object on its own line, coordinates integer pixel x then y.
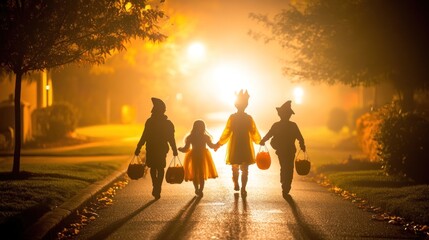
{"type": "Point", "coordinates": [198, 163]}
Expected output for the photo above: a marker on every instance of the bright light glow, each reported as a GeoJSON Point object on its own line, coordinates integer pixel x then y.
{"type": "Point", "coordinates": [229, 78]}
{"type": "Point", "coordinates": [298, 94]}
{"type": "Point", "coordinates": [196, 51]}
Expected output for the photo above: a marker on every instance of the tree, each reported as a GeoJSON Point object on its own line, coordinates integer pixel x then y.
{"type": "Point", "coordinates": [40, 34]}
{"type": "Point", "coordinates": [355, 42]}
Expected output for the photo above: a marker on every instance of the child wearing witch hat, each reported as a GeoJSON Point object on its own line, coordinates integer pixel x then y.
{"type": "Point", "coordinates": [157, 134]}
{"type": "Point", "coordinates": [284, 134]}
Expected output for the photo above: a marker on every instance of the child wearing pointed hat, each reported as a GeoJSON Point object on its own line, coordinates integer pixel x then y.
{"type": "Point", "coordinates": [240, 132]}
{"type": "Point", "coordinates": [158, 133]}
{"type": "Point", "coordinates": [284, 133]}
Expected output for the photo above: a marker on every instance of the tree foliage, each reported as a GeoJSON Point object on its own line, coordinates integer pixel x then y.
{"type": "Point", "coordinates": [39, 34]}
{"type": "Point", "coordinates": [355, 42]}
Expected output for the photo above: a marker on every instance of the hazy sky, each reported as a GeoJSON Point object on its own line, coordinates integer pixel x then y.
{"type": "Point", "coordinates": [222, 26]}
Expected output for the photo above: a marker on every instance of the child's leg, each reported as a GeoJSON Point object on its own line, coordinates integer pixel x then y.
{"type": "Point", "coordinates": [235, 173]}
{"type": "Point", "coordinates": [160, 178]}
{"type": "Point", "coordinates": [156, 187]}
{"type": "Point", "coordinates": [195, 182]}
{"type": "Point", "coordinates": [200, 192]}
{"type": "Point", "coordinates": [286, 171]}
{"type": "Point", "coordinates": [244, 176]}
{"type": "Point", "coordinates": [202, 184]}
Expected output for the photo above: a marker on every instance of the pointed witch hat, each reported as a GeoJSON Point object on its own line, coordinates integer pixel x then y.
{"type": "Point", "coordinates": [286, 107]}
{"type": "Point", "coordinates": [158, 105]}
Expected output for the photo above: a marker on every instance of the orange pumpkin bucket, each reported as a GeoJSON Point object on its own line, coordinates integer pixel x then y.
{"type": "Point", "coordinates": [263, 158]}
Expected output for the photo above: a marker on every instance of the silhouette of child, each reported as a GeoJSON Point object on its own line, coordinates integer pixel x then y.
{"type": "Point", "coordinates": [198, 161]}
{"type": "Point", "coordinates": [241, 132]}
{"type": "Point", "coordinates": [284, 134]}
{"type": "Point", "coordinates": [157, 134]}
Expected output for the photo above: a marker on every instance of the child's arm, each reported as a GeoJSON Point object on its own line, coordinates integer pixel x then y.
{"type": "Point", "coordinates": [171, 139]}
{"type": "Point", "coordinates": [300, 139]}
{"type": "Point", "coordinates": [210, 143]}
{"type": "Point", "coordinates": [143, 139]}
{"type": "Point", "coordinates": [186, 147]}
{"type": "Point", "coordinates": [226, 134]}
{"type": "Point", "coordinates": [266, 137]}
{"type": "Point", "coordinates": [254, 133]}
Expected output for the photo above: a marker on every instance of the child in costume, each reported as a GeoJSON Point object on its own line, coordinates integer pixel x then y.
{"type": "Point", "coordinates": [157, 134]}
{"type": "Point", "coordinates": [198, 163]}
{"type": "Point", "coordinates": [240, 132]}
{"type": "Point", "coordinates": [284, 134]}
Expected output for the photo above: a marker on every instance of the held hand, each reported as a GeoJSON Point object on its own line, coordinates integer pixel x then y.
{"type": "Point", "coordinates": [175, 153]}
{"type": "Point", "coordinates": [303, 148]}
{"type": "Point", "coordinates": [217, 146]}
{"type": "Point", "coordinates": [262, 143]}
{"type": "Point", "coordinates": [137, 152]}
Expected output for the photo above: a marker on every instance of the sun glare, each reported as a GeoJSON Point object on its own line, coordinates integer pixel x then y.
{"type": "Point", "coordinates": [229, 78]}
{"type": "Point", "coordinates": [298, 94]}
{"type": "Point", "coordinates": [196, 51]}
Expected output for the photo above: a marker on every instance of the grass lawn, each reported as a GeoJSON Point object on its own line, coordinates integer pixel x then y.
{"type": "Point", "coordinates": [329, 153]}
{"type": "Point", "coordinates": [397, 196]}
{"type": "Point", "coordinates": [53, 180]}
{"type": "Point", "coordinates": [51, 183]}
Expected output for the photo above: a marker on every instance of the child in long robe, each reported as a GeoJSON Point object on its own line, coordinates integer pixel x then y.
{"type": "Point", "coordinates": [240, 132]}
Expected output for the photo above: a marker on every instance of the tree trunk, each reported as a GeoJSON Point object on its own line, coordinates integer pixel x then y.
{"type": "Point", "coordinates": [407, 99]}
{"type": "Point", "coordinates": [18, 136]}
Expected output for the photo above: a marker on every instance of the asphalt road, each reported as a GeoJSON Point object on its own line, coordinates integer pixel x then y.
{"type": "Point", "coordinates": [312, 212]}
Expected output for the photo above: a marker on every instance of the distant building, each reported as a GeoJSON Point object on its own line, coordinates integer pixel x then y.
{"type": "Point", "coordinates": [36, 93]}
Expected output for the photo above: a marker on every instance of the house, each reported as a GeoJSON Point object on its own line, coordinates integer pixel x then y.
{"type": "Point", "coordinates": [36, 93]}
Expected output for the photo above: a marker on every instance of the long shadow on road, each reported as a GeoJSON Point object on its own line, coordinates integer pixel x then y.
{"type": "Point", "coordinates": [302, 230]}
{"type": "Point", "coordinates": [237, 222]}
{"type": "Point", "coordinates": [179, 225]}
{"type": "Point", "coordinates": [104, 233]}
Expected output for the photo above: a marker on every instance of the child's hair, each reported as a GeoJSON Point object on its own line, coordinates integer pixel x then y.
{"type": "Point", "coordinates": [199, 127]}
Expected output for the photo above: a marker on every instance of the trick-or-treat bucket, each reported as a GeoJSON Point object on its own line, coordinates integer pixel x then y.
{"type": "Point", "coordinates": [175, 172]}
{"type": "Point", "coordinates": [136, 168]}
{"type": "Point", "coordinates": [302, 165]}
{"type": "Point", "coordinates": [263, 158]}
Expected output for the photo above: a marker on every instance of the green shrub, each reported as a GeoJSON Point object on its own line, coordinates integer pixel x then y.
{"type": "Point", "coordinates": [62, 121]}
{"type": "Point", "coordinates": [403, 145]}
{"type": "Point", "coordinates": [55, 122]}
{"type": "Point", "coordinates": [366, 127]}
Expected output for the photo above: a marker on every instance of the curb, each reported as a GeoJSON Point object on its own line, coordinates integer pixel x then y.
{"type": "Point", "coordinates": [44, 226]}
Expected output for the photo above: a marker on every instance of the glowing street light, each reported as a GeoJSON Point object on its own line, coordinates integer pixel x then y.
{"type": "Point", "coordinates": [298, 94]}
{"type": "Point", "coordinates": [196, 51]}
{"type": "Point", "coordinates": [47, 87]}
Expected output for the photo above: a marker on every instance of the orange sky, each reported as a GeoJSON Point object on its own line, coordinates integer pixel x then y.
{"type": "Point", "coordinates": [222, 26]}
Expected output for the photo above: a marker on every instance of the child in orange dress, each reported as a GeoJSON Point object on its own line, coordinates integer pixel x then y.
{"type": "Point", "coordinates": [198, 163]}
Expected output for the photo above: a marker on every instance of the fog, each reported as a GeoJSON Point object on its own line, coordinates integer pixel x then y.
{"type": "Point", "coordinates": [207, 57]}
